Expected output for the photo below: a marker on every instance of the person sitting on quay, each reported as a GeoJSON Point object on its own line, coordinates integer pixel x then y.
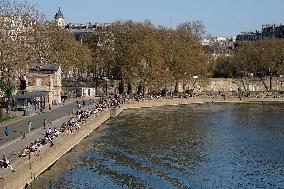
{"type": "Point", "coordinates": [75, 122]}
{"type": "Point", "coordinates": [5, 163]}
{"type": "Point", "coordinates": [79, 106]}
{"type": "Point", "coordinates": [56, 132]}
{"type": "Point", "coordinates": [24, 152]}
{"type": "Point", "coordinates": [33, 148]}
{"type": "Point", "coordinates": [49, 131]}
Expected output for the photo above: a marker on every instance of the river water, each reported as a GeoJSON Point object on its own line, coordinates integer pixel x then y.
{"type": "Point", "coordinates": [188, 146]}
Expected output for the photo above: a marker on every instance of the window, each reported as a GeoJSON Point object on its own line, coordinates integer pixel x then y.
{"type": "Point", "coordinates": [38, 82]}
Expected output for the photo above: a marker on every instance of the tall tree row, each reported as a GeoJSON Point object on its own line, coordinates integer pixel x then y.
{"type": "Point", "coordinates": [157, 56]}
{"type": "Point", "coordinates": [262, 58]}
{"type": "Point", "coordinates": [27, 39]}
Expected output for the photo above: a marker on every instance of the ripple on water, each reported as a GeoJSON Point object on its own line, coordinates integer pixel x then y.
{"type": "Point", "coordinates": [195, 146]}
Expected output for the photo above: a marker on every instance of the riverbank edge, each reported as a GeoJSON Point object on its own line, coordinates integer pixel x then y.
{"type": "Point", "coordinates": [28, 171]}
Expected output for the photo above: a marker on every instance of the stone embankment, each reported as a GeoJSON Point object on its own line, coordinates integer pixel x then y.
{"type": "Point", "coordinates": [28, 170]}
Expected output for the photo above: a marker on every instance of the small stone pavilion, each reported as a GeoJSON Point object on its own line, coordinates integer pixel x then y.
{"type": "Point", "coordinates": [45, 78]}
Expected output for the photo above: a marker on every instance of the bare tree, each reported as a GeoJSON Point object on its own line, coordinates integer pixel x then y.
{"type": "Point", "coordinates": [262, 58]}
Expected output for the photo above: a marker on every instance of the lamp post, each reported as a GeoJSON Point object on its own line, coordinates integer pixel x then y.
{"type": "Point", "coordinates": [172, 87]}
{"type": "Point", "coordinates": [195, 78]}
{"type": "Point", "coordinates": [106, 79]}
{"type": "Point", "coordinates": [106, 86]}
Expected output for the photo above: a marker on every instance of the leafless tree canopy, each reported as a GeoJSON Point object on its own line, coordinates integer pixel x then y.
{"type": "Point", "coordinates": [27, 39]}
{"type": "Point", "coordinates": [154, 56]}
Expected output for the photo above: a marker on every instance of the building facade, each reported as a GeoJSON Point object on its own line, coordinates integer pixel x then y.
{"type": "Point", "coordinates": [59, 19]}
{"type": "Point", "coordinates": [274, 30]}
{"type": "Point", "coordinates": [247, 37]}
{"type": "Point", "coordinates": [46, 78]}
{"type": "Point", "coordinates": [219, 46]}
{"type": "Point", "coordinates": [268, 30]}
{"type": "Point", "coordinates": [79, 30]}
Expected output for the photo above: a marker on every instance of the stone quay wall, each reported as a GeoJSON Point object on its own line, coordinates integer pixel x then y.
{"type": "Point", "coordinates": [229, 84]}
{"type": "Point", "coordinates": [28, 169]}
{"type": "Point", "coordinates": [198, 85]}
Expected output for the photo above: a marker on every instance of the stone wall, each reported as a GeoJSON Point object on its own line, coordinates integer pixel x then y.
{"type": "Point", "coordinates": [244, 84]}
{"type": "Point", "coordinates": [49, 83]}
{"type": "Point", "coordinates": [223, 84]}
{"type": "Point", "coordinates": [199, 85]}
{"type": "Point", "coordinates": [228, 85]}
{"type": "Point", "coordinates": [28, 169]}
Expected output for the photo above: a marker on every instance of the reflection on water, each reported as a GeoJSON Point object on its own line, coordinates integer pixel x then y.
{"type": "Point", "coordinates": [196, 146]}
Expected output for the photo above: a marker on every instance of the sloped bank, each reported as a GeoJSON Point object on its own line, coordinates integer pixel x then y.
{"type": "Point", "coordinates": [27, 171]}
{"type": "Point", "coordinates": [31, 168]}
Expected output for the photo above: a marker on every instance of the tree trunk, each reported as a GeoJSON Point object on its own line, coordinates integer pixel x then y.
{"type": "Point", "coordinates": [106, 88]}
{"type": "Point", "coordinates": [193, 85]}
{"type": "Point", "coordinates": [8, 104]}
{"type": "Point", "coordinates": [244, 84]}
{"type": "Point", "coordinates": [270, 81]}
{"type": "Point", "coordinates": [266, 87]}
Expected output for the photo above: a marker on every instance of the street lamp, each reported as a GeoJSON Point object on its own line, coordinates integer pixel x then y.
{"type": "Point", "coordinates": [195, 77]}
{"type": "Point", "coordinates": [106, 79]}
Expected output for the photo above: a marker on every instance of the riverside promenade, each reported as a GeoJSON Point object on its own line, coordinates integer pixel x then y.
{"type": "Point", "coordinates": [28, 168]}
{"type": "Point", "coordinates": [19, 126]}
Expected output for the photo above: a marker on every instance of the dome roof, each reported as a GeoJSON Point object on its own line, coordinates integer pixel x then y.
{"type": "Point", "coordinates": [58, 14]}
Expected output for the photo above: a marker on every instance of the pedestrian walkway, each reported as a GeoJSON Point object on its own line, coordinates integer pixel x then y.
{"type": "Point", "coordinates": [12, 148]}
{"type": "Point", "coordinates": [20, 114]}
{"type": "Point", "coordinates": [20, 127]}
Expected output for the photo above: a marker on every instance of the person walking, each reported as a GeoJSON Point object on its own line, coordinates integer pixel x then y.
{"type": "Point", "coordinates": [44, 123]}
{"type": "Point", "coordinates": [29, 126]}
{"type": "Point", "coordinates": [24, 135]}
{"type": "Point", "coordinates": [6, 131]}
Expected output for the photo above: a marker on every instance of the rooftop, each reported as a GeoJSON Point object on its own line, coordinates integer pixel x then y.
{"type": "Point", "coordinates": [45, 67]}
{"type": "Point", "coordinates": [58, 14]}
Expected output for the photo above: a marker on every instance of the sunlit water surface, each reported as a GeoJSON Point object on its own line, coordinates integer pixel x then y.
{"type": "Point", "coordinates": [195, 146]}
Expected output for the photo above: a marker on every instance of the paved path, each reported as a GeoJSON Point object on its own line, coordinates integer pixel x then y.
{"type": "Point", "coordinates": [12, 148]}
{"type": "Point", "coordinates": [17, 129]}
{"type": "Point", "coordinates": [61, 114]}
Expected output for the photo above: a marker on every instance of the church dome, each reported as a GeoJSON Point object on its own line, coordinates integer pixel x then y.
{"type": "Point", "coordinates": [58, 15]}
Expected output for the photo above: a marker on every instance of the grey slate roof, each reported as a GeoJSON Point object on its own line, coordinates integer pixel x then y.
{"type": "Point", "coordinates": [49, 67]}
{"type": "Point", "coordinates": [58, 14]}
{"type": "Point", "coordinates": [29, 95]}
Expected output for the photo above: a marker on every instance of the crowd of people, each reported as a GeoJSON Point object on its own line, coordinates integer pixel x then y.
{"type": "Point", "coordinates": [87, 108]}
{"type": "Point", "coordinates": [77, 119]}
{"type": "Point", "coordinates": [35, 147]}
{"type": "Point", "coordinates": [141, 97]}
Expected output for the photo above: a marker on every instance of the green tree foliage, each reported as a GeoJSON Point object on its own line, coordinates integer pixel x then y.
{"type": "Point", "coordinates": [7, 87]}
{"type": "Point", "coordinates": [223, 67]}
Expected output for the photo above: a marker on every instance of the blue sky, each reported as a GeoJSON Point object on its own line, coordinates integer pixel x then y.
{"type": "Point", "coordinates": [220, 17]}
